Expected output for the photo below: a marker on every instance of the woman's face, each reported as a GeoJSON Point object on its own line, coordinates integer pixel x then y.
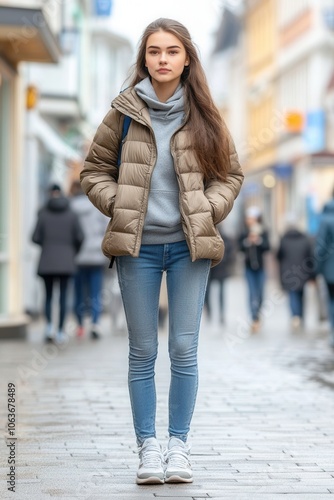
{"type": "Point", "coordinates": [165, 58]}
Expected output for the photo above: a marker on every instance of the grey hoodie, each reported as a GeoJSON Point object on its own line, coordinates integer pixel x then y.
{"type": "Point", "coordinates": [163, 219]}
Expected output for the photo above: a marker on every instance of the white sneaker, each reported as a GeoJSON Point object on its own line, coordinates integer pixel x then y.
{"type": "Point", "coordinates": [178, 467]}
{"type": "Point", "coordinates": [296, 322]}
{"type": "Point", "coordinates": [151, 470]}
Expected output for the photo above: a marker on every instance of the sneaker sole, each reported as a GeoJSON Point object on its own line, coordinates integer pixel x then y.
{"type": "Point", "coordinates": [150, 480]}
{"type": "Point", "coordinates": [178, 479]}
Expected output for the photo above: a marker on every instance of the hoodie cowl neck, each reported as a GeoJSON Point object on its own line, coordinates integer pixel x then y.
{"type": "Point", "coordinates": [166, 110]}
{"type": "Point", "coordinates": [163, 219]}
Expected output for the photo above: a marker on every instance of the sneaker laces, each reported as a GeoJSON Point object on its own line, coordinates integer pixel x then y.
{"type": "Point", "coordinates": [150, 457]}
{"type": "Point", "coordinates": [177, 457]}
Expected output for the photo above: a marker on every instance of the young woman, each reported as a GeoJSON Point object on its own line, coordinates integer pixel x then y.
{"type": "Point", "coordinates": [178, 178]}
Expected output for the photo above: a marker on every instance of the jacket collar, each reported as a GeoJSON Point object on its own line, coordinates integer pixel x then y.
{"type": "Point", "coordinates": [130, 104]}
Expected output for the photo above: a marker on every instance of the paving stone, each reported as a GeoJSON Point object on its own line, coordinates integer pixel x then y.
{"type": "Point", "coordinates": [262, 428]}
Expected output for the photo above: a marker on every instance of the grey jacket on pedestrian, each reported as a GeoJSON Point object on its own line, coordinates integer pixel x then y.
{"type": "Point", "coordinates": [60, 235]}
{"type": "Point", "coordinates": [324, 244]}
{"type": "Point", "coordinates": [94, 225]}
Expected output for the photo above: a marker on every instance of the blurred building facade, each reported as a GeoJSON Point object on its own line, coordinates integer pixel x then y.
{"type": "Point", "coordinates": [58, 105]}
{"type": "Point", "coordinates": [28, 32]}
{"type": "Point", "coordinates": [285, 51]}
{"type": "Point", "coordinates": [262, 120]}
{"type": "Point", "coordinates": [226, 75]}
{"type": "Point", "coordinates": [73, 97]}
{"type": "Point", "coordinates": [305, 67]}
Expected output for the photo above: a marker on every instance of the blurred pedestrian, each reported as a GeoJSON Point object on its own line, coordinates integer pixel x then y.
{"type": "Point", "coordinates": [254, 242]}
{"type": "Point", "coordinates": [178, 178]}
{"type": "Point", "coordinates": [219, 274]}
{"type": "Point", "coordinates": [91, 263]}
{"type": "Point", "coordinates": [60, 236]}
{"type": "Point", "coordinates": [296, 266]}
{"type": "Point", "coordinates": [324, 257]}
{"type": "Point", "coordinates": [321, 292]}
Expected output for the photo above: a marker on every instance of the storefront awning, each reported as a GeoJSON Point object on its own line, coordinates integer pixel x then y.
{"type": "Point", "coordinates": [25, 35]}
{"type": "Point", "coordinates": [53, 142]}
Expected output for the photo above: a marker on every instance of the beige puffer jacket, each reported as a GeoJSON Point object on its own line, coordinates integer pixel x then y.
{"type": "Point", "coordinates": [122, 193]}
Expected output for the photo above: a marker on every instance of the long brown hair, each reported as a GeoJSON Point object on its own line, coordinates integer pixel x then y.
{"type": "Point", "coordinates": [205, 125]}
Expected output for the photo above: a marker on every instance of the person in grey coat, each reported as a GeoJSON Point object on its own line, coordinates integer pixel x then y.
{"type": "Point", "coordinates": [296, 266]}
{"type": "Point", "coordinates": [324, 257]}
{"type": "Point", "coordinates": [60, 236]}
{"type": "Point", "coordinates": [91, 262]}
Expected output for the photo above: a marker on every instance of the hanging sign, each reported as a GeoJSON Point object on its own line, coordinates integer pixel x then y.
{"type": "Point", "coordinates": [103, 7]}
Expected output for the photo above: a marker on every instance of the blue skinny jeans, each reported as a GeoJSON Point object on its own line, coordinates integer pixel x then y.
{"type": "Point", "coordinates": [296, 298]}
{"type": "Point", "coordinates": [255, 281]}
{"type": "Point", "coordinates": [140, 281]}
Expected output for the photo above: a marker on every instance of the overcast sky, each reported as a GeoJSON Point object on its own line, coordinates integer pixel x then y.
{"type": "Point", "coordinates": [130, 18]}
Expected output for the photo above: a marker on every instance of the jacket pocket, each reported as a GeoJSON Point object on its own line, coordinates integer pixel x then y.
{"type": "Point", "coordinates": [210, 209]}
{"type": "Point", "coordinates": [105, 246]}
{"type": "Point", "coordinates": [184, 226]}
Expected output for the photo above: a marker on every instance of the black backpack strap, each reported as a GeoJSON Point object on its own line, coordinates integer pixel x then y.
{"type": "Point", "coordinates": [125, 129]}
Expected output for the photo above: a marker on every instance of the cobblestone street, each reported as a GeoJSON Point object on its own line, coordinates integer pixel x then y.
{"type": "Point", "coordinates": [263, 424]}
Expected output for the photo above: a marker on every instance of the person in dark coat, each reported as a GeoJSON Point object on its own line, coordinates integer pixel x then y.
{"type": "Point", "coordinates": [220, 273]}
{"type": "Point", "coordinates": [324, 257]}
{"type": "Point", "coordinates": [254, 242]}
{"type": "Point", "coordinates": [296, 266]}
{"type": "Point", "coordinates": [60, 235]}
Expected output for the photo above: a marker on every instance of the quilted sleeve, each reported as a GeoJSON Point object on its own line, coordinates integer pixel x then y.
{"type": "Point", "coordinates": [100, 172]}
{"type": "Point", "coordinates": [221, 194]}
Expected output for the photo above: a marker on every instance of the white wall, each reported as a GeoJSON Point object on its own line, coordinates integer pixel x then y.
{"type": "Point", "coordinates": [329, 103]}
{"type": "Point", "coordinates": [60, 79]}
{"type": "Point", "coordinates": [227, 81]}
{"type": "Point", "coordinates": [110, 62]}
{"type": "Point", "coordinates": [289, 10]}
{"type": "Point", "coordinates": [302, 87]}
